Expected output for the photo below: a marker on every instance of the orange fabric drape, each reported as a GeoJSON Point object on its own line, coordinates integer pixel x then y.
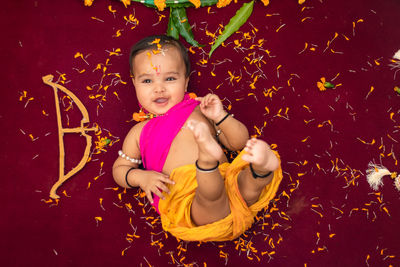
{"type": "Point", "coordinates": [175, 208]}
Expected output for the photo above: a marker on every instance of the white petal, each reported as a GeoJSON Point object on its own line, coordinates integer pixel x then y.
{"type": "Point", "coordinates": [397, 55]}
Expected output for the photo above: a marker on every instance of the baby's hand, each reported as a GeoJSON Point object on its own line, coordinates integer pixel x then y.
{"type": "Point", "coordinates": [211, 106]}
{"type": "Point", "coordinates": [154, 182]}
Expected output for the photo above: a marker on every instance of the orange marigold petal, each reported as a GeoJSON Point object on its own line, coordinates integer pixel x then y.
{"type": "Point", "coordinates": [192, 95]}
{"type": "Point", "coordinates": [160, 4]}
{"type": "Point", "coordinates": [265, 2]}
{"type": "Point", "coordinates": [223, 3]}
{"type": "Point", "coordinates": [196, 3]}
{"type": "Point", "coordinates": [321, 86]}
{"type": "Point", "coordinates": [88, 2]}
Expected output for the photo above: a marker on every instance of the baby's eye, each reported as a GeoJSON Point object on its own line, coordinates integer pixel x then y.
{"type": "Point", "coordinates": [146, 81]}
{"type": "Point", "coordinates": [171, 79]}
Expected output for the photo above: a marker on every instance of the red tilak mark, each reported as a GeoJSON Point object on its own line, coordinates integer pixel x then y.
{"type": "Point", "coordinates": [158, 70]}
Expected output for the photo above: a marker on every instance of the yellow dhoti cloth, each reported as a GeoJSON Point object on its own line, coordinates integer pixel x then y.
{"type": "Point", "coordinates": [175, 208]}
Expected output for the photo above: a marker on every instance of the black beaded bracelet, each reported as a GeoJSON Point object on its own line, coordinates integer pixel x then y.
{"type": "Point", "coordinates": [256, 175]}
{"type": "Point", "coordinates": [224, 118]}
{"type": "Point", "coordinates": [126, 177]}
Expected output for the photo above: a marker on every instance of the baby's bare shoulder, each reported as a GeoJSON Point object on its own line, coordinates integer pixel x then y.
{"type": "Point", "coordinates": [137, 128]}
{"type": "Point", "coordinates": [133, 136]}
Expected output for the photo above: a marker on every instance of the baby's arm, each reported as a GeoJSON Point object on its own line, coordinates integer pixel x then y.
{"type": "Point", "coordinates": [148, 181]}
{"type": "Point", "coordinates": [234, 134]}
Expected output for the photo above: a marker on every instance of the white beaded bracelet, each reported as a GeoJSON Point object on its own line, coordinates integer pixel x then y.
{"type": "Point", "coordinates": [124, 156]}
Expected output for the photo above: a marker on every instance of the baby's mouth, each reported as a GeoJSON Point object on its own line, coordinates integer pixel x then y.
{"type": "Point", "coordinates": [161, 100]}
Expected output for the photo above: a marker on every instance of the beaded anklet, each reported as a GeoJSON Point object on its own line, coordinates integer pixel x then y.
{"type": "Point", "coordinates": [206, 170]}
{"type": "Point", "coordinates": [124, 156]}
{"type": "Point", "coordinates": [256, 175]}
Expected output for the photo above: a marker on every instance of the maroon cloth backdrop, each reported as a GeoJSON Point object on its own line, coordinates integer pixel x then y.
{"type": "Point", "coordinates": [325, 213]}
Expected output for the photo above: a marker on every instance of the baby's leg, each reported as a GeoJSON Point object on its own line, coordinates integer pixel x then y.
{"type": "Point", "coordinates": [210, 203]}
{"type": "Point", "coordinates": [263, 161]}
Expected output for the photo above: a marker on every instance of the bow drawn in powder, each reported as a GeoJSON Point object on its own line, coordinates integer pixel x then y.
{"type": "Point", "coordinates": [82, 130]}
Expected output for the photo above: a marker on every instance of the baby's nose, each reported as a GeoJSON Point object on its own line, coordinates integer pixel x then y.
{"type": "Point", "coordinates": [159, 87]}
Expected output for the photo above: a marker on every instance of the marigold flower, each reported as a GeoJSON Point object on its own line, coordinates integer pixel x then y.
{"type": "Point", "coordinates": [88, 2]}
{"type": "Point", "coordinates": [397, 89]}
{"type": "Point", "coordinates": [265, 2]}
{"type": "Point", "coordinates": [320, 84]}
{"type": "Point", "coordinates": [323, 84]}
{"type": "Point", "coordinates": [156, 41]}
{"type": "Point", "coordinates": [196, 3]}
{"type": "Point", "coordinates": [192, 95]}
{"type": "Point", "coordinates": [160, 4]}
{"type": "Point", "coordinates": [141, 116]}
{"type": "Point", "coordinates": [223, 3]}
{"type": "Point", "coordinates": [126, 2]}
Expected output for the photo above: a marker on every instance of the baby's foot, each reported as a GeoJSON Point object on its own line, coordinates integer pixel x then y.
{"type": "Point", "coordinates": [260, 155]}
{"type": "Point", "coordinates": [209, 150]}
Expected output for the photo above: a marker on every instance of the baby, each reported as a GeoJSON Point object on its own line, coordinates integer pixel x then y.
{"type": "Point", "coordinates": [186, 175]}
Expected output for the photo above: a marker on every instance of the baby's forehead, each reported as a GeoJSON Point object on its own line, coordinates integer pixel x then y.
{"type": "Point", "coordinates": [160, 49]}
{"type": "Point", "coordinates": [164, 51]}
{"type": "Point", "coordinates": [167, 60]}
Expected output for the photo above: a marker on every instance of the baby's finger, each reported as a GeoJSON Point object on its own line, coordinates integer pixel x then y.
{"type": "Point", "coordinates": [158, 193]}
{"type": "Point", "coordinates": [203, 103]}
{"type": "Point", "coordinates": [248, 150]}
{"type": "Point", "coordinates": [208, 99]}
{"type": "Point", "coordinates": [248, 143]}
{"type": "Point", "coordinates": [213, 97]}
{"type": "Point", "coordinates": [207, 95]}
{"type": "Point", "coordinates": [249, 146]}
{"type": "Point", "coordinates": [168, 181]}
{"type": "Point", "coordinates": [163, 187]}
{"type": "Point", "coordinates": [149, 196]}
{"type": "Point", "coordinates": [247, 157]}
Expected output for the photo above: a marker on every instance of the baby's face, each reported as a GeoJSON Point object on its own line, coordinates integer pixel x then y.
{"type": "Point", "coordinates": [159, 79]}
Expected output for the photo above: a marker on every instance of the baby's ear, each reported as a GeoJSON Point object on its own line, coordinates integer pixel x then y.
{"type": "Point", "coordinates": [186, 83]}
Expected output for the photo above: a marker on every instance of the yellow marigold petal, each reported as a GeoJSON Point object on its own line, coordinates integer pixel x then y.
{"type": "Point", "coordinates": [196, 3]}
{"type": "Point", "coordinates": [321, 86]}
{"type": "Point", "coordinates": [160, 4]}
{"type": "Point", "coordinates": [88, 2]}
{"type": "Point", "coordinates": [126, 2]}
{"type": "Point", "coordinates": [265, 2]}
{"type": "Point", "coordinates": [223, 3]}
{"type": "Point", "coordinates": [192, 95]}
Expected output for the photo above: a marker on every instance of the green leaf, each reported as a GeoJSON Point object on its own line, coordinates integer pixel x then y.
{"type": "Point", "coordinates": [234, 24]}
{"type": "Point", "coordinates": [181, 22]}
{"type": "Point", "coordinates": [397, 89]}
{"type": "Point", "coordinates": [329, 85]}
{"type": "Point", "coordinates": [172, 30]}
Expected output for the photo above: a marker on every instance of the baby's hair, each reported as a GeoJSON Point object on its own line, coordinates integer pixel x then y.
{"type": "Point", "coordinates": [148, 43]}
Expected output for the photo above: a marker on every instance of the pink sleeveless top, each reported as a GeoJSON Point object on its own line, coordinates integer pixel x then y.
{"type": "Point", "coordinates": [157, 136]}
